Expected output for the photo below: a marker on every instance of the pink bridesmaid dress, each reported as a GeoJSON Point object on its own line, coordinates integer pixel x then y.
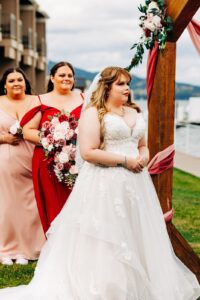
{"type": "Point", "coordinates": [21, 233]}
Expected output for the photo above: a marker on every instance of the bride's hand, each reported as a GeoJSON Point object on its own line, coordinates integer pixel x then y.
{"type": "Point", "coordinates": [134, 164]}
{"type": "Point", "coordinates": [143, 160]}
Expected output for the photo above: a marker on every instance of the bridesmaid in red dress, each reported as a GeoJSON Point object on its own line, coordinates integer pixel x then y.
{"type": "Point", "coordinates": [50, 194]}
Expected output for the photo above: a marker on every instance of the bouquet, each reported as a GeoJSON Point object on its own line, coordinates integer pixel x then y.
{"type": "Point", "coordinates": [58, 139]}
{"type": "Point", "coordinates": [16, 129]}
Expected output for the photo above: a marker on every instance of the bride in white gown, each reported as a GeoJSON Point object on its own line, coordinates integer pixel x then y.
{"type": "Point", "coordinates": [110, 241]}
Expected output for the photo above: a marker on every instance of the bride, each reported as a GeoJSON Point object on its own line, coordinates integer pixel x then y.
{"type": "Point", "coordinates": [110, 241]}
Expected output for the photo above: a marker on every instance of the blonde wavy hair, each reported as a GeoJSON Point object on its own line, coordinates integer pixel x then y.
{"type": "Point", "coordinates": [100, 95]}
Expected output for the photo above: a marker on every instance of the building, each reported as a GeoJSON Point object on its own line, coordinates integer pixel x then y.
{"type": "Point", "coordinates": [23, 40]}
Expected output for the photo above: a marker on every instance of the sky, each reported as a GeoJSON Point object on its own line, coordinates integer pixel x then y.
{"type": "Point", "coordinates": [93, 34]}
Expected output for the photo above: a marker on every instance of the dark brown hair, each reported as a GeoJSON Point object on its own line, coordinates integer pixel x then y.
{"type": "Point", "coordinates": [53, 71]}
{"type": "Point", "coordinates": [28, 89]}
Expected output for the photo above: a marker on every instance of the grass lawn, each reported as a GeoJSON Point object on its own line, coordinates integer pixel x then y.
{"type": "Point", "coordinates": [186, 202]}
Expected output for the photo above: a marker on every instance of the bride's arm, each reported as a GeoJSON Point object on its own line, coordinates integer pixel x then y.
{"type": "Point", "coordinates": [89, 141]}
{"type": "Point", "coordinates": [143, 151]}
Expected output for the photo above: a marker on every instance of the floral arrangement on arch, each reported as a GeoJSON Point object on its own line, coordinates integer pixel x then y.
{"type": "Point", "coordinates": [58, 139]}
{"type": "Point", "coordinates": [155, 25]}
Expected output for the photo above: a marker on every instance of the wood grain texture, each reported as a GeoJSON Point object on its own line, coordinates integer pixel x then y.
{"type": "Point", "coordinates": [183, 250]}
{"type": "Point", "coordinates": [161, 119]}
{"type": "Point", "coordinates": [181, 12]}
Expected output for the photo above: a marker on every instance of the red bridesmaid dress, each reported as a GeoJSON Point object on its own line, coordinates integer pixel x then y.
{"type": "Point", "coordinates": [50, 194]}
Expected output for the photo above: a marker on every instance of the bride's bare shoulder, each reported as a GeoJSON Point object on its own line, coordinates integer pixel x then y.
{"type": "Point", "coordinates": [89, 116]}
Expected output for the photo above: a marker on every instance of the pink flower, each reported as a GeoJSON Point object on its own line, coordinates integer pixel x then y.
{"type": "Point", "coordinates": [73, 153]}
{"type": "Point", "coordinates": [46, 125]}
{"type": "Point", "coordinates": [60, 143]}
{"type": "Point", "coordinates": [59, 166]}
{"type": "Point", "coordinates": [69, 134]}
{"type": "Point", "coordinates": [67, 149]}
{"type": "Point", "coordinates": [73, 170]}
{"type": "Point", "coordinates": [50, 139]}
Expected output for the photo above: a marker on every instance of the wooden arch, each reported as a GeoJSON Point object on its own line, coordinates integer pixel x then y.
{"type": "Point", "coordinates": [161, 121]}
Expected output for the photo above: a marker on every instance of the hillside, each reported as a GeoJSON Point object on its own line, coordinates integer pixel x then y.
{"type": "Point", "coordinates": [183, 90]}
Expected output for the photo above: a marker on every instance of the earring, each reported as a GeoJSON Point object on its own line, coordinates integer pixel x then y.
{"type": "Point", "coordinates": [5, 91]}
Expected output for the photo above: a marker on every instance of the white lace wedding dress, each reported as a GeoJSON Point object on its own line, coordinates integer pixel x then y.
{"type": "Point", "coordinates": [110, 240]}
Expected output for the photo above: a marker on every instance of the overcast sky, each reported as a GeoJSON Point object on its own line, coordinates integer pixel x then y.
{"type": "Point", "coordinates": [92, 34]}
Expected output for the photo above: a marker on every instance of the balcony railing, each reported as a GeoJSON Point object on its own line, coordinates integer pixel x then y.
{"type": "Point", "coordinates": [41, 47]}
{"type": "Point", "coordinates": [20, 30]}
{"type": "Point", "coordinates": [28, 39]}
{"type": "Point", "coordinates": [0, 18]}
{"type": "Point", "coordinates": [9, 26]}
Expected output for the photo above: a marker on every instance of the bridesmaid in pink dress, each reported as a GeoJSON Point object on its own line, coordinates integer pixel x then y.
{"type": "Point", "coordinates": [21, 237]}
{"type": "Point", "coordinates": [51, 194]}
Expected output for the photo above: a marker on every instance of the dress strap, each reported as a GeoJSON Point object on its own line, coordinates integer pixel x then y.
{"type": "Point", "coordinates": [29, 115]}
{"type": "Point", "coordinates": [82, 96]}
{"type": "Point", "coordinates": [39, 99]}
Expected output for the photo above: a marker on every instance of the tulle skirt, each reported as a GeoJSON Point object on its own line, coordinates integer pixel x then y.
{"type": "Point", "coordinates": [109, 243]}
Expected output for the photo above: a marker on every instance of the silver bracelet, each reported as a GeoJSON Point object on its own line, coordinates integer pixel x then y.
{"type": "Point", "coordinates": [3, 139]}
{"type": "Point", "coordinates": [122, 164]}
{"type": "Point", "coordinates": [125, 161]}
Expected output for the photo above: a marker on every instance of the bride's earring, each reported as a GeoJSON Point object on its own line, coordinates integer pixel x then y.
{"type": "Point", "coordinates": [5, 91]}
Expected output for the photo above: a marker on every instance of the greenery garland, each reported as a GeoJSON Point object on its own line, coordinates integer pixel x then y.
{"type": "Point", "coordinates": [156, 26]}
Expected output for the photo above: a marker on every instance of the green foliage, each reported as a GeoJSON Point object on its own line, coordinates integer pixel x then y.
{"type": "Point", "coordinates": [152, 32]}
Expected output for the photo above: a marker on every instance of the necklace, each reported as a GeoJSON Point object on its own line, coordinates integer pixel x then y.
{"type": "Point", "coordinates": [120, 112]}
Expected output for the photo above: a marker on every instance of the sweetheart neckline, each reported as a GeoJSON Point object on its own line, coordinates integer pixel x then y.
{"type": "Point", "coordinates": [130, 127]}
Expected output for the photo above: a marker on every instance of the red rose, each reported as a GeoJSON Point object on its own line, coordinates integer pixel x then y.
{"type": "Point", "coordinates": [62, 118]}
{"type": "Point", "coordinates": [73, 124]}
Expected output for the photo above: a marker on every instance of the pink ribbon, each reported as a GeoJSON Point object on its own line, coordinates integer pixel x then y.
{"type": "Point", "coordinates": [194, 32]}
{"type": "Point", "coordinates": [162, 161]}
{"type": "Point", "coordinates": [169, 215]}
{"type": "Point", "coordinates": [151, 69]}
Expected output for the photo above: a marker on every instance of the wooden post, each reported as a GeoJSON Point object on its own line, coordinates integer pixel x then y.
{"type": "Point", "coordinates": [181, 11]}
{"type": "Point", "coordinates": [161, 119]}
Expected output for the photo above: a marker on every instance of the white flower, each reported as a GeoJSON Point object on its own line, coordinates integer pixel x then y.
{"type": "Point", "coordinates": [157, 21]}
{"type": "Point", "coordinates": [54, 121]}
{"type": "Point", "coordinates": [63, 157]}
{"type": "Point", "coordinates": [44, 142]}
{"type": "Point", "coordinates": [73, 170]}
{"type": "Point", "coordinates": [14, 128]}
{"type": "Point", "coordinates": [61, 130]}
{"type": "Point", "coordinates": [149, 25]}
{"type": "Point", "coordinates": [153, 5]}
{"type": "Point", "coordinates": [58, 135]}
{"type": "Point", "coordinates": [63, 126]}
{"type": "Point", "coordinates": [50, 147]}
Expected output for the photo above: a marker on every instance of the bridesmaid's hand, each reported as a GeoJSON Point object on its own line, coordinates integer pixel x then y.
{"type": "Point", "coordinates": [11, 139]}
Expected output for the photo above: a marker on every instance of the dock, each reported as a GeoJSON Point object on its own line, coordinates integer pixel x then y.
{"type": "Point", "coordinates": [187, 163]}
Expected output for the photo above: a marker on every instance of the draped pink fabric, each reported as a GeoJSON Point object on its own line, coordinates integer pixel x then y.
{"type": "Point", "coordinates": [151, 69]}
{"type": "Point", "coordinates": [162, 161]}
{"type": "Point", "coordinates": [194, 32]}
{"type": "Point", "coordinates": [196, 26]}
{"type": "Point", "coordinates": [169, 215]}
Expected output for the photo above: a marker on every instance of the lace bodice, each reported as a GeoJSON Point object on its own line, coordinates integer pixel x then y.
{"type": "Point", "coordinates": [119, 137]}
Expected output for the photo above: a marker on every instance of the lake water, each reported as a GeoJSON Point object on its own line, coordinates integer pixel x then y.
{"type": "Point", "coordinates": [187, 139]}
